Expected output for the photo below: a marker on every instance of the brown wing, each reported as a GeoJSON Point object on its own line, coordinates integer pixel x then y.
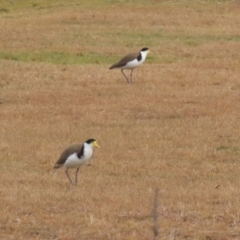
{"type": "Point", "coordinates": [66, 153]}
{"type": "Point", "coordinates": [125, 60]}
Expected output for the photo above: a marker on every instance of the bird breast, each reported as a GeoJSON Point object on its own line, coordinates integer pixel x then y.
{"type": "Point", "coordinates": [73, 161]}
{"type": "Point", "coordinates": [133, 64]}
{"type": "Point", "coordinates": [87, 152]}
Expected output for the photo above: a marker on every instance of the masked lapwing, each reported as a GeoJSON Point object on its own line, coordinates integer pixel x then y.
{"type": "Point", "coordinates": [131, 61]}
{"type": "Point", "coordinates": [76, 156]}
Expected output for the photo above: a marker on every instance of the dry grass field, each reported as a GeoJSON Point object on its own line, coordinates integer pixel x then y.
{"type": "Point", "coordinates": [176, 128]}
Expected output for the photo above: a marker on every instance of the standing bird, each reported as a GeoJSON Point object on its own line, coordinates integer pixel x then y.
{"type": "Point", "coordinates": [131, 61]}
{"type": "Point", "coordinates": [75, 156]}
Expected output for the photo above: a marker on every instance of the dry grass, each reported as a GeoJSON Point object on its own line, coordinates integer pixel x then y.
{"type": "Point", "coordinates": [175, 128]}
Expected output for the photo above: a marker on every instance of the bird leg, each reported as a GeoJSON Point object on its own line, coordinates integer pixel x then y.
{"type": "Point", "coordinates": [68, 176]}
{"type": "Point", "coordinates": [76, 176]}
{"type": "Point", "coordinates": [131, 75]}
{"type": "Point", "coordinates": [124, 75]}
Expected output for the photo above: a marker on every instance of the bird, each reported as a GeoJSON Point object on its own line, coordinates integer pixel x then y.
{"type": "Point", "coordinates": [131, 61]}
{"type": "Point", "coordinates": [75, 156]}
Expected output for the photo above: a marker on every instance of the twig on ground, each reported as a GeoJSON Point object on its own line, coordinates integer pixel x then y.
{"type": "Point", "coordinates": [155, 215]}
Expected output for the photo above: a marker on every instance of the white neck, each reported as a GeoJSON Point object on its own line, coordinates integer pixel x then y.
{"type": "Point", "coordinates": [88, 150]}
{"type": "Point", "coordinates": [144, 55]}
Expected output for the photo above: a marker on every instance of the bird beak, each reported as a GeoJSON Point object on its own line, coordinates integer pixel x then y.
{"type": "Point", "coordinates": [95, 144]}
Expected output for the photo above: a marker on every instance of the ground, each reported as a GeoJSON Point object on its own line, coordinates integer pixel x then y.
{"type": "Point", "coordinates": [175, 128]}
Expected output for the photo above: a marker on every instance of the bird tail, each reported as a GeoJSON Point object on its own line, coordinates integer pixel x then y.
{"type": "Point", "coordinates": [115, 65]}
{"type": "Point", "coordinates": [111, 67]}
{"type": "Point", "coordinates": [57, 166]}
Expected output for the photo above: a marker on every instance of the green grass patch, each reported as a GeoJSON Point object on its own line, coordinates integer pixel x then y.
{"type": "Point", "coordinates": [21, 5]}
{"type": "Point", "coordinates": [197, 40]}
{"type": "Point", "coordinates": [234, 150]}
{"type": "Point", "coordinates": [58, 57]}
{"type": "Point", "coordinates": [3, 10]}
{"type": "Point", "coordinates": [159, 38]}
{"type": "Point", "coordinates": [80, 58]}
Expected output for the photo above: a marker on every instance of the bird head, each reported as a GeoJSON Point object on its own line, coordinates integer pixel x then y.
{"type": "Point", "coordinates": [145, 49]}
{"type": "Point", "coordinates": [93, 142]}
